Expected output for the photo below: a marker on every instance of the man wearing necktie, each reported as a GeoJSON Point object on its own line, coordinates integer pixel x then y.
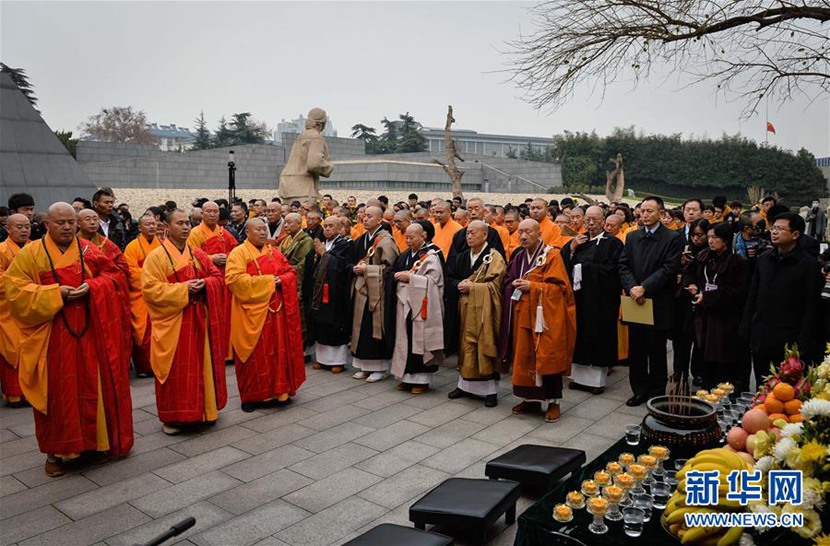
{"type": "Point", "coordinates": [648, 269]}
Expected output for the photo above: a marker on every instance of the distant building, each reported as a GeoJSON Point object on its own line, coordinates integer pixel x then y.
{"type": "Point", "coordinates": [472, 142]}
{"type": "Point", "coordinates": [297, 126]}
{"type": "Point", "coordinates": [172, 138]}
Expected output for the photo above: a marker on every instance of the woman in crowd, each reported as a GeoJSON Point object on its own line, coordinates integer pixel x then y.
{"type": "Point", "coordinates": [717, 281]}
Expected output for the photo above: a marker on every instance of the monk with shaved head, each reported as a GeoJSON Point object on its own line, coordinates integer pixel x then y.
{"type": "Point", "coordinates": [550, 231]}
{"type": "Point", "coordinates": [185, 297]}
{"type": "Point", "coordinates": [445, 226]}
{"type": "Point", "coordinates": [296, 246]}
{"type": "Point", "coordinates": [19, 230]}
{"type": "Point", "coordinates": [538, 328]}
{"type": "Point", "coordinates": [374, 253]}
{"type": "Point", "coordinates": [474, 304]}
{"type": "Point", "coordinates": [135, 254]}
{"type": "Point", "coordinates": [65, 297]}
{"type": "Point", "coordinates": [401, 220]}
{"type": "Point", "coordinates": [327, 295]}
{"type": "Point", "coordinates": [265, 321]}
{"type": "Point", "coordinates": [419, 313]}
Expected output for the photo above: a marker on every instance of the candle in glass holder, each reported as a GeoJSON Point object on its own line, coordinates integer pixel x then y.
{"type": "Point", "coordinates": [602, 478]}
{"type": "Point", "coordinates": [563, 513]}
{"type": "Point", "coordinates": [637, 471]}
{"type": "Point", "coordinates": [648, 461]}
{"type": "Point", "coordinates": [720, 393]}
{"type": "Point", "coordinates": [614, 468]}
{"type": "Point", "coordinates": [590, 488]}
{"type": "Point", "coordinates": [614, 494]}
{"type": "Point", "coordinates": [661, 453]}
{"type": "Point", "coordinates": [575, 500]}
{"type": "Point", "coordinates": [598, 507]}
{"type": "Point", "coordinates": [728, 387]}
{"type": "Point", "coordinates": [625, 482]}
{"type": "Point", "coordinates": [626, 459]}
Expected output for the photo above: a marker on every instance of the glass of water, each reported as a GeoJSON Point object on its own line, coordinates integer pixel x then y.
{"type": "Point", "coordinates": [670, 479]}
{"type": "Point", "coordinates": [680, 463]}
{"type": "Point", "coordinates": [633, 519]}
{"type": "Point", "coordinates": [661, 491]}
{"type": "Point", "coordinates": [644, 502]}
{"type": "Point", "coordinates": [632, 434]}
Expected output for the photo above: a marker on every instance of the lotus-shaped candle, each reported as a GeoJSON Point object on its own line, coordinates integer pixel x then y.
{"type": "Point", "coordinates": [650, 462]}
{"type": "Point", "coordinates": [602, 478]}
{"type": "Point", "coordinates": [661, 453]}
{"type": "Point", "coordinates": [563, 513]}
{"type": "Point", "coordinates": [590, 488]}
{"type": "Point", "coordinates": [729, 388]}
{"type": "Point", "coordinates": [614, 468]}
{"type": "Point", "coordinates": [626, 459]}
{"type": "Point", "coordinates": [598, 507]}
{"type": "Point", "coordinates": [575, 500]}
{"type": "Point", "coordinates": [639, 472]}
{"type": "Point", "coordinates": [625, 482]}
{"type": "Point", "coordinates": [614, 495]}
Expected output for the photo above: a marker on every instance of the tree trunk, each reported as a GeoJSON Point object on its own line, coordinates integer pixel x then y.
{"type": "Point", "coordinates": [450, 168]}
{"type": "Point", "coordinates": [615, 195]}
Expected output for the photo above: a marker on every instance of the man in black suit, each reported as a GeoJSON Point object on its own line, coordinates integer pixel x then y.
{"type": "Point", "coordinates": [648, 269]}
{"type": "Point", "coordinates": [475, 208]}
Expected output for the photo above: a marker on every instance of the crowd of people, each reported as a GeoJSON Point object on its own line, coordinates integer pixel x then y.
{"type": "Point", "coordinates": [528, 293]}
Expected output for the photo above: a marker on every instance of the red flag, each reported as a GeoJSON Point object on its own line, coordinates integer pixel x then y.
{"type": "Point", "coordinates": [770, 128]}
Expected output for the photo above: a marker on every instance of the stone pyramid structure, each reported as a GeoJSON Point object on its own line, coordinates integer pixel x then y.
{"type": "Point", "coordinates": [32, 159]}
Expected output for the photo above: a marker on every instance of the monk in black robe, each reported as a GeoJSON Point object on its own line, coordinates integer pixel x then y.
{"type": "Point", "coordinates": [592, 261]}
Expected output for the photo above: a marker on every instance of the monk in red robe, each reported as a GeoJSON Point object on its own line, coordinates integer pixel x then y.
{"type": "Point", "coordinates": [65, 298]}
{"type": "Point", "coordinates": [538, 332]}
{"type": "Point", "coordinates": [217, 243]}
{"type": "Point", "coordinates": [266, 332]}
{"type": "Point", "coordinates": [135, 254]}
{"type": "Point", "coordinates": [89, 229]}
{"type": "Point", "coordinates": [19, 229]}
{"type": "Point", "coordinates": [185, 298]}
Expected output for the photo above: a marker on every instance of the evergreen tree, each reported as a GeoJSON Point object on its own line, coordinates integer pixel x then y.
{"type": "Point", "coordinates": [368, 135]}
{"type": "Point", "coordinates": [203, 140]}
{"type": "Point", "coordinates": [411, 139]}
{"type": "Point", "coordinates": [246, 130]}
{"type": "Point", "coordinates": [21, 80]}
{"type": "Point", "coordinates": [388, 142]}
{"type": "Point", "coordinates": [66, 139]}
{"type": "Point", "coordinates": [223, 135]}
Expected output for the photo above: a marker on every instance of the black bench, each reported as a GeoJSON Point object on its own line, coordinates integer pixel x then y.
{"type": "Point", "coordinates": [536, 467]}
{"type": "Point", "coordinates": [467, 503]}
{"type": "Point", "coordinates": [387, 534]}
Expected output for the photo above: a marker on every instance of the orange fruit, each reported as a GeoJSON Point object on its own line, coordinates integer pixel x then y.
{"type": "Point", "coordinates": [796, 418]}
{"type": "Point", "coordinates": [776, 416]}
{"type": "Point", "coordinates": [784, 392]}
{"type": "Point", "coordinates": [761, 407]}
{"type": "Point", "coordinates": [773, 404]}
{"type": "Point", "coordinates": [792, 407]}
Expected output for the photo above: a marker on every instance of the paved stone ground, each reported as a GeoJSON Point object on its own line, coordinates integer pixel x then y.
{"type": "Point", "coordinates": [342, 458]}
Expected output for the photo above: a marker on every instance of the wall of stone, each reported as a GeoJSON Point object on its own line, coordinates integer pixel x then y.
{"type": "Point", "coordinates": [100, 152]}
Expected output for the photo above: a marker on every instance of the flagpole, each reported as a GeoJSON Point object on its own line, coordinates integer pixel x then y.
{"type": "Point", "coordinates": [766, 123]}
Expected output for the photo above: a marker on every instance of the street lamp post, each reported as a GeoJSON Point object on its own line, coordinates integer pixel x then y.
{"type": "Point", "coordinates": [231, 179]}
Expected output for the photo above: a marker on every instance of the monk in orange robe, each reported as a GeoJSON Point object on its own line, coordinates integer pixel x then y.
{"type": "Point", "coordinates": [550, 231]}
{"type": "Point", "coordinates": [266, 332]}
{"type": "Point", "coordinates": [538, 332]}
{"type": "Point", "coordinates": [445, 227]}
{"type": "Point", "coordinates": [511, 221]}
{"type": "Point", "coordinates": [185, 297]}
{"type": "Point", "coordinates": [490, 215]}
{"type": "Point", "coordinates": [401, 221]}
{"type": "Point", "coordinates": [217, 243]}
{"type": "Point", "coordinates": [19, 229]}
{"type": "Point", "coordinates": [65, 297]}
{"type": "Point", "coordinates": [135, 254]}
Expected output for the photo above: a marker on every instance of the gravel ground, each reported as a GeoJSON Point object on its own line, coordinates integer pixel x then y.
{"type": "Point", "coordinates": [141, 198]}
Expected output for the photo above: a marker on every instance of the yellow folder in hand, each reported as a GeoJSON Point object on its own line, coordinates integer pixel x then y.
{"type": "Point", "coordinates": [634, 313]}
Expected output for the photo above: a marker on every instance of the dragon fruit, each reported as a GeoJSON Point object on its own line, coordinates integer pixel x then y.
{"type": "Point", "coordinates": [802, 388]}
{"type": "Point", "coordinates": [791, 370]}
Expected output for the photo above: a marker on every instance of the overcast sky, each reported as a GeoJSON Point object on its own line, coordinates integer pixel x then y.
{"type": "Point", "coordinates": [359, 61]}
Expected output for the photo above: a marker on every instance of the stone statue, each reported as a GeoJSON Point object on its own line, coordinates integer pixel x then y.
{"type": "Point", "coordinates": [309, 160]}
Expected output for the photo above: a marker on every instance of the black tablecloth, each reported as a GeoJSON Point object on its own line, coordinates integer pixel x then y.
{"type": "Point", "coordinates": [536, 523]}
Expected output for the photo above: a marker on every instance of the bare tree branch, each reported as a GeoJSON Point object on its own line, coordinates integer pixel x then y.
{"type": "Point", "coordinates": [750, 49]}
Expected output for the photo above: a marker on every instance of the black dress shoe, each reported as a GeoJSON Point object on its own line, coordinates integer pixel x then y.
{"type": "Point", "coordinates": [457, 393]}
{"type": "Point", "coordinates": [636, 400]}
{"type": "Point", "coordinates": [491, 401]}
{"type": "Point", "coordinates": [248, 407]}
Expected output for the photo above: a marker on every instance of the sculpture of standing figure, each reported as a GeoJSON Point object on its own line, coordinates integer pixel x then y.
{"type": "Point", "coordinates": [309, 160]}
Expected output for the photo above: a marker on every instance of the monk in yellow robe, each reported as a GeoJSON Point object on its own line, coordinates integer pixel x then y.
{"type": "Point", "coordinates": [475, 277]}
{"type": "Point", "coordinates": [511, 222]}
{"type": "Point", "coordinates": [135, 254]}
{"type": "Point", "coordinates": [185, 297]}
{"type": "Point", "coordinates": [551, 234]}
{"type": "Point", "coordinates": [265, 321]}
{"type": "Point", "coordinates": [19, 229]}
{"type": "Point", "coordinates": [538, 332]}
{"type": "Point", "coordinates": [89, 229]}
{"type": "Point", "coordinates": [65, 298]}
{"type": "Point", "coordinates": [445, 227]}
{"type": "Point", "coordinates": [217, 243]}
{"type": "Point", "coordinates": [401, 221]}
